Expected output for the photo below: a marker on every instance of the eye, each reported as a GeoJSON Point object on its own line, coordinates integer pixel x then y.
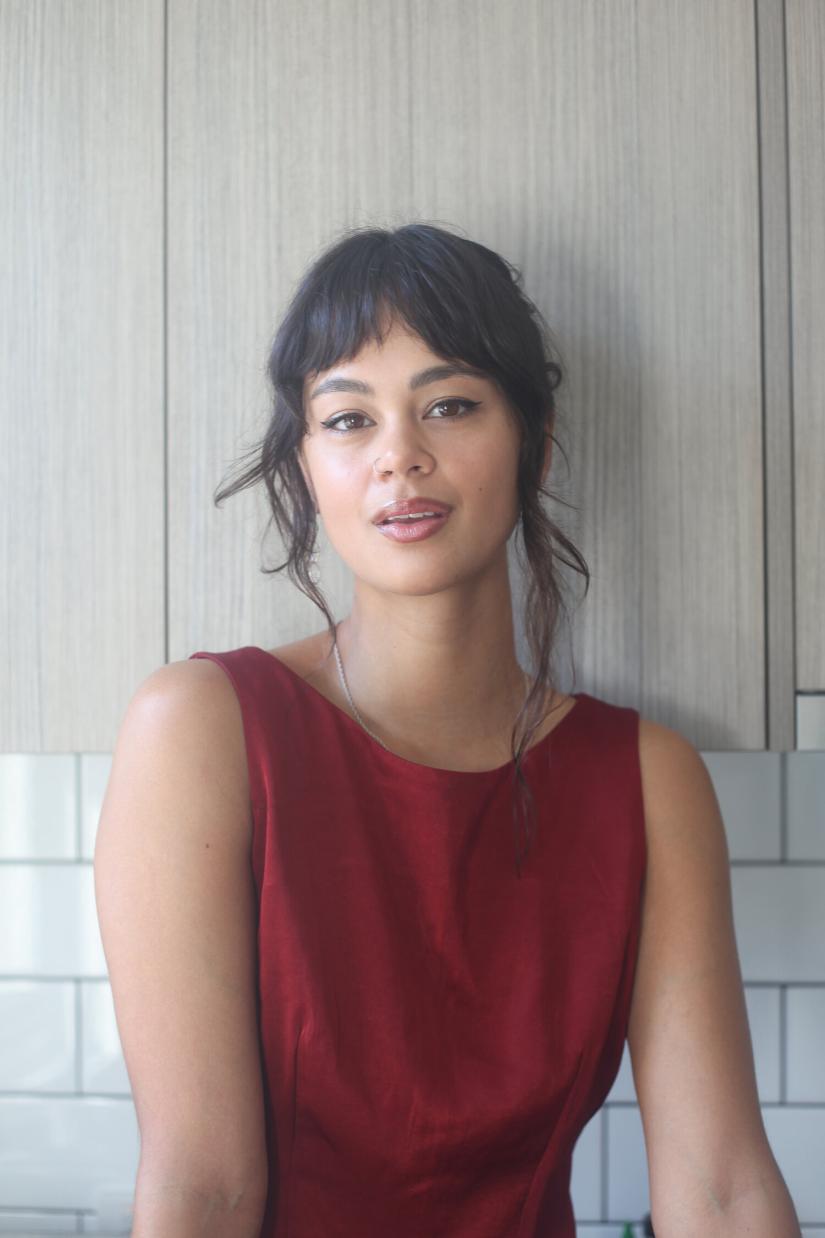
{"type": "Point", "coordinates": [332, 423]}
{"type": "Point", "coordinates": [467, 407]}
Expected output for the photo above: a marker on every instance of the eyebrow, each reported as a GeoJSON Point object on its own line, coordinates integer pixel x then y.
{"type": "Point", "coordinates": [432, 374]}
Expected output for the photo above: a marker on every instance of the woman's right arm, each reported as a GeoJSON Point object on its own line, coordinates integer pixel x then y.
{"type": "Point", "coordinates": [176, 907]}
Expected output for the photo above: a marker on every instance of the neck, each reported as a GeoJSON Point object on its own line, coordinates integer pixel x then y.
{"type": "Point", "coordinates": [450, 687]}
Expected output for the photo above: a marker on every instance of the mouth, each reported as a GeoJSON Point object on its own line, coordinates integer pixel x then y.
{"type": "Point", "coordinates": [412, 528]}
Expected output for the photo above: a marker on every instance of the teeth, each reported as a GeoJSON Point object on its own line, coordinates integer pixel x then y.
{"type": "Point", "coordinates": [417, 516]}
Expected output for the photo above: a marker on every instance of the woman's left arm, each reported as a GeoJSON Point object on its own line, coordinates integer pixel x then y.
{"type": "Point", "coordinates": [710, 1165]}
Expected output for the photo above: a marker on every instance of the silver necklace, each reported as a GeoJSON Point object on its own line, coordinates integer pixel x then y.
{"type": "Point", "coordinates": [352, 702]}
{"type": "Point", "coordinates": [349, 696]}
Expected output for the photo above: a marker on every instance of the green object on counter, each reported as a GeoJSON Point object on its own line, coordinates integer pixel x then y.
{"type": "Point", "coordinates": [627, 1232]}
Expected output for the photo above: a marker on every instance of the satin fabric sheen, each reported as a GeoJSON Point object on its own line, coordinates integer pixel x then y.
{"type": "Point", "coordinates": [435, 1031]}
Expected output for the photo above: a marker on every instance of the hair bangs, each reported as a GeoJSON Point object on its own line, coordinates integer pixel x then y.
{"type": "Point", "coordinates": [455, 302]}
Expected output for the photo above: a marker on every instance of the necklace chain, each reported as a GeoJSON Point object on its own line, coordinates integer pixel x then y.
{"type": "Point", "coordinates": [352, 702]}
{"type": "Point", "coordinates": [349, 696]}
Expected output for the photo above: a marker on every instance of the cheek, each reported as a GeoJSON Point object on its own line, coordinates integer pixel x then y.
{"type": "Point", "coordinates": [491, 481]}
{"type": "Point", "coordinates": [339, 482]}
{"type": "Point", "coordinates": [346, 499]}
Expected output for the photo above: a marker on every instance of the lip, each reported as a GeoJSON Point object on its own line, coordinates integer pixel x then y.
{"type": "Point", "coordinates": [408, 507]}
{"type": "Point", "coordinates": [413, 530]}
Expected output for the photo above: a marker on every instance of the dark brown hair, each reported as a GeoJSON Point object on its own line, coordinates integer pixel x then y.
{"type": "Point", "coordinates": [467, 304]}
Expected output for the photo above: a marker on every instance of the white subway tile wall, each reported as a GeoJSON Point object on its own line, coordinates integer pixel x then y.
{"type": "Point", "coordinates": [38, 1223]}
{"type": "Point", "coordinates": [805, 1021]}
{"type": "Point", "coordinates": [38, 1038]}
{"type": "Point", "coordinates": [38, 795]}
{"type": "Point", "coordinates": [69, 1141]}
{"type": "Point", "coordinates": [748, 786]}
{"type": "Point", "coordinates": [778, 910]}
{"type": "Point", "coordinates": [102, 1068]}
{"type": "Point", "coordinates": [586, 1176]}
{"type": "Point", "coordinates": [806, 806]}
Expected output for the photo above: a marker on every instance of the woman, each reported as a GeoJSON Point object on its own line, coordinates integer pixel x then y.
{"type": "Point", "coordinates": [379, 908]}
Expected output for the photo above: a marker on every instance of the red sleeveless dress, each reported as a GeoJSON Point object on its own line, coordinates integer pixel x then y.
{"type": "Point", "coordinates": [435, 1030]}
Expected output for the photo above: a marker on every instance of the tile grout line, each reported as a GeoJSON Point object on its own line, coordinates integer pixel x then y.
{"type": "Point", "coordinates": [783, 808]}
{"type": "Point", "coordinates": [97, 1094]}
{"type": "Point", "coordinates": [78, 801]}
{"type": "Point", "coordinates": [783, 1044]}
{"type": "Point", "coordinates": [603, 1185]}
{"type": "Point", "coordinates": [37, 861]}
{"type": "Point", "coordinates": [777, 864]}
{"type": "Point", "coordinates": [78, 1036]}
{"type": "Point", "coordinates": [165, 328]}
{"type": "Point", "coordinates": [52, 977]}
{"type": "Point", "coordinates": [37, 1211]}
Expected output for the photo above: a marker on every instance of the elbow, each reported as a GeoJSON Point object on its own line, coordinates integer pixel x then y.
{"type": "Point", "coordinates": [179, 1202]}
{"type": "Point", "coordinates": [752, 1201]}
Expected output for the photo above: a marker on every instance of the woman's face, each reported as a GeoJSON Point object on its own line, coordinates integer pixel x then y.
{"type": "Point", "coordinates": [451, 438]}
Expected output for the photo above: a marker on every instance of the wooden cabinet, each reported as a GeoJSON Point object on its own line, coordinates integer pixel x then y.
{"type": "Point", "coordinates": [82, 474]}
{"type": "Point", "coordinates": [806, 170]}
{"type": "Point", "coordinates": [611, 150]}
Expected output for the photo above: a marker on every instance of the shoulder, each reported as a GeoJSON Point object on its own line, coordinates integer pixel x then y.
{"type": "Point", "coordinates": [665, 753]}
{"type": "Point", "coordinates": [304, 656]}
{"type": "Point", "coordinates": [196, 691]}
{"type": "Point", "coordinates": [187, 712]}
{"type": "Point", "coordinates": [680, 802]}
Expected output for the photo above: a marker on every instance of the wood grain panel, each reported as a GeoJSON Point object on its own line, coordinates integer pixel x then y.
{"type": "Point", "coordinates": [805, 36]}
{"type": "Point", "coordinates": [81, 357]}
{"type": "Point", "coordinates": [608, 148]}
{"type": "Point", "coordinates": [776, 370]}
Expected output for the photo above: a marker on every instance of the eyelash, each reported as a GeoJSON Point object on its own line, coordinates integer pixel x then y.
{"type": "Point", "coordinates": [469, 405]}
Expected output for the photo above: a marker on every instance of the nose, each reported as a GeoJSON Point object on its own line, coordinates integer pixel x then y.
{"type": "Point", "coordinates": [400, 451]}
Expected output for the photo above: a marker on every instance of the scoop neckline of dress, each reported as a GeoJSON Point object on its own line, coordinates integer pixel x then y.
{"type": "Point", "coordinates": [434, 771]}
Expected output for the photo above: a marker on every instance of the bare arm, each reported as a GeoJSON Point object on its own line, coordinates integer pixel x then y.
{"type": "Point", "coordinates": [176, 907]}
{"type": "Point", "coordinates": [710, 1165]}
